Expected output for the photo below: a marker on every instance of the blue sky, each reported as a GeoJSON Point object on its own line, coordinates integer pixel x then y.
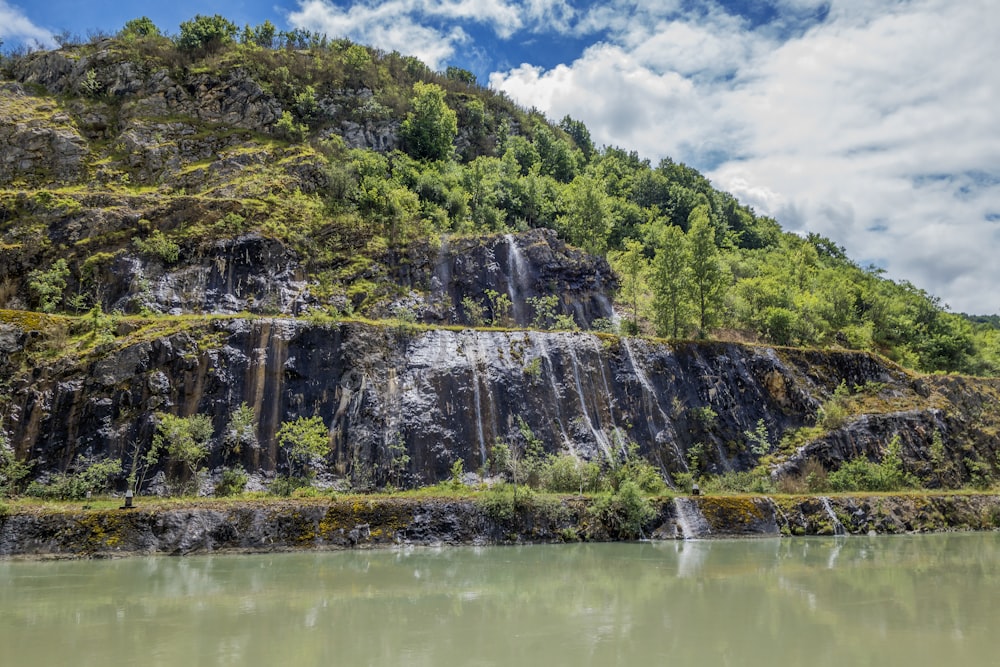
{"type": "Point", "coordinates": [872, 122]}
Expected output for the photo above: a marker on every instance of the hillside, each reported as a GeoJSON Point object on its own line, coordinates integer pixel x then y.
{"type": "Point", "coordinates": [301, 227]}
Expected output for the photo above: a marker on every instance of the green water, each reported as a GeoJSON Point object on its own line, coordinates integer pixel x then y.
{"type": "Point", "coordinates": [921, 600]}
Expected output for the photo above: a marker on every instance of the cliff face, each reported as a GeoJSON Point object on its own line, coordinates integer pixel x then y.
{"type": "Point", "coordinates": [170, 190]}
{"type": "Point", "coordinates": [448, 394]}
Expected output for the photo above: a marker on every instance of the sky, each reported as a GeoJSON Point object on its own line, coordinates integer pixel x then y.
{"type": "Point", "coordinates": [871, 122]}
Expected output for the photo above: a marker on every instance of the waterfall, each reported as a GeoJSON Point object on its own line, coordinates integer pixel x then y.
{"type": "Point", "coordinates": [650, 401]}
{"type": "Point", "coordinates": [474, 357]}
{"type": "Point", "coordinates": [690, 520]}
{"type": "Point", "coordinates": [543, 353]}
{"type": "Point", "coordinates": [599, 435]}
{"type": "Point", "coordinates": [517, 271]}
{"type": "Point", "coordinates": [838, 527]}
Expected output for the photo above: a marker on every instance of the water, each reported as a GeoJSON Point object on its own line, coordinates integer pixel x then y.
{"type": "Point", "coordinates": [921, 600]}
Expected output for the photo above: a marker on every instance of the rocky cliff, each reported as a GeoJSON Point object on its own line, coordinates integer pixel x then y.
{"type": "Point", "coordinates": [449, 394]}
{"type": "Point", "coordinates": [212, 257]}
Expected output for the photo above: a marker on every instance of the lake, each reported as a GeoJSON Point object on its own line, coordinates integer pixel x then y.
{"type": "Point", "coordinates": [906, 600]}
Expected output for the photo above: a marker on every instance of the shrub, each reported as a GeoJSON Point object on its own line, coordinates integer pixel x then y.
{"type": "Point", "coordinates": [860, 474]}
{"type": "Point", "coordinates": [185, 440]}
{"type": "Point", "coordinates": [567, 474]}
{"type": "Point", "coordinates": [833, 413]}
{"type": "Point", "coordinates": [92, 477]}
{"type": "Point", "coordinates": [306, 442]}
{"type": "Point", "coordinates": [12, 471]}
{"type": "Point", "coordinates": [625, 513]}
{"type": "Point", "coordinates": [49, 286]}
{"type": "Point", "coordinates": [233, 482]}
{"type": "Point", "coordinates": [286, 128]}
{"type": "Point", "coordinates": [739, 481]}
{"type": "Point", "coordinates": [206, 33]}
{"type": "Point", "coordinates": [158, 245]}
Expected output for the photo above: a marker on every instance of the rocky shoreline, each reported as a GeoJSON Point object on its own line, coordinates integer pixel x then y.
{"type": "Point", "coordinates": [387, 521]}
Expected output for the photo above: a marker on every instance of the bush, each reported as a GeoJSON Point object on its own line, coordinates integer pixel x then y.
{"type": "Point", "coordinates": [158, 245]}
{"type": "Point", "coordinates": [92, 477]}
{"type": "Point", "coordinates": [233, 482]}
{"type": "Point", "coordinates": [740, 481]}
{"type": "Point", "coordinates": [284, 486]}
{"type": "Point", "coordinates": [206, 33]}
{"type": "Point", "coordinates": [12, 471]}
{"type": "Point", "coordinates": [306, 442]}
{"type": "Point", "coordinates": [625, 513]}
{"type": "Point", "coordinates": [568, 474]}
{"type": "Point", "coordinates": [860, 474]}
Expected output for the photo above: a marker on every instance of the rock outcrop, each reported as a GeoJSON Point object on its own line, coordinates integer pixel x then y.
{"type": "Point", "coordinates": [447, 395]}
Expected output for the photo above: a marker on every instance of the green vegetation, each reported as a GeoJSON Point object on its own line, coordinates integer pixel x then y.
{"type": "Point", "coordinates": [90, 477]}
{"type": "Point", "coordinates": [185, 441]}
{"type": "Point", "coordinates": [693, 261]}
{"type": "Point", "coordinates": [305, 442]}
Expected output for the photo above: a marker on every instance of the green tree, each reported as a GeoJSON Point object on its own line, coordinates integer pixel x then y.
{"type": "Point", "coordinates": [671, 283]}
{"type": "Point", "coordinates": [431, 127]}
{"type": "Point", "coordinates": [184, 439]}
{"type": "Point", "coordinates": [206, 33]}
{"type": "Point", "coordinates": [12, 471]}
{"type": "Point", "coordinates": [580, 135]}
{"type": "Point", "coordinates": [305, 441]}
{"type": "Point", "coordinates": [140, 27]}
{"type": "Point", "coordinates": [587, 221]}
{"type": "Point", "coordinates": [631, 264]}
{"type": "Point", "coordinates": [262, 35]}
{"type": "Point", "coordinates": [708, 277]}
{"type": "Point", "coordinates": [241, 432]}
{"type": "Point", "coordinates": [459, 74]}
{"type": "Point", "coordinates": [556, 155]}
{"type": "Point", "coordinates": [49, 286]}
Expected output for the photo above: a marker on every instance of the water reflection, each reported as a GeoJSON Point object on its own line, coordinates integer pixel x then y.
{"type": "Point", "coordinates": [835, 601]}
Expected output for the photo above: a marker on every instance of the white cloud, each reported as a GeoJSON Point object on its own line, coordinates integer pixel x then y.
{"type": "Point", "coordinates": [14, 25]}
{"type": "Point", "coordinates": [403, 25]}
{"type": "Point", "coordinates": [875, 127]}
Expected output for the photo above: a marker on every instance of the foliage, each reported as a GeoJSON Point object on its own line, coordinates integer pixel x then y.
{"type": "Point", "coordinates": [49, 286]}
{"type": "Point", "coordinates": [90, 477]}
{"type": "Point", "coordinates": [232, 483]}
{"type": "Point", "coordinates": [739, 481]}
{"type": "Point", "coordinates": [566, 473]}
{"type": "Point", "coordinates": [760, 439]}
{"type": "Point", "coordinates": [184, 440]}
{"type": "Point", "coordinates": [546, 317]}
{"type": "Point", "coordinates": [834, 411]}
{"type": "Point", "coordinates": [625, 513]}
{"type": "Point", "coordinates": [305, 442]}
{"type": "Point", "coordinates": [430, 129]}
{"type": "Point", "coordinates": [399, 462]}
{"type": "Point", "coordinates": [12, 471]}
{"type": "Point", "coordinates": [241, 432]}
{"type": "Point", "coordinates": [670, 282]}
{"type": "Point", "coordinates": [286, 128]}
{"type": "Point", "coordinates": [635, 469]}
{"type": "Point", "coordinates": [157, 244]}
{"type": "Point", "coordinates": [140, 27]}
{"type": "Point", "coordinates": [206, 33]}
{"type": "Point", "coordinates": [457, 471]}
{"type": "Point", "coordinates": [860, 474]}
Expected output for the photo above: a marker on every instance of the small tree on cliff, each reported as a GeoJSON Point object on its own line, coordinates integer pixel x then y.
{"type": "Point", "coordinates": [185, 440]}
{"type": "Point", "coordinates": [306, 442]}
